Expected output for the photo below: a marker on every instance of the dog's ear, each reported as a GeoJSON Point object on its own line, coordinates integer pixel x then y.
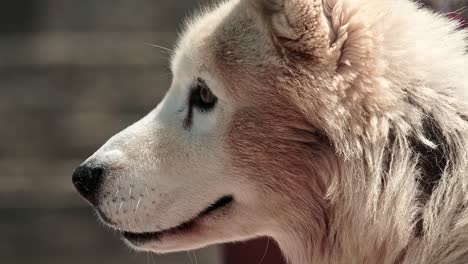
{"type": "Point", "coordinates": [300, 26]}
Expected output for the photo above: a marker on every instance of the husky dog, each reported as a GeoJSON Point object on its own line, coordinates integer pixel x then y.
{"type": "Point", "coordinates": [337, 127]}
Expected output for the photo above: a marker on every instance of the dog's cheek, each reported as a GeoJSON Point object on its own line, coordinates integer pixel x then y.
{"type": "Point", "coordinates": [264, 148]}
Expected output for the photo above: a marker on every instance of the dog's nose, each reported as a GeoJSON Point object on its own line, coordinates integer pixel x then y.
{"type": "Point", "coordinates": [87, 181]}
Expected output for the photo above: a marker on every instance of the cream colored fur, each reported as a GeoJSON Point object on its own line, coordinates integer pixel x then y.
{"type": "Point", "coordinates": [320, 106]}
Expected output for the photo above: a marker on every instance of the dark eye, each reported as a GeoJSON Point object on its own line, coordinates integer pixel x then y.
{"type": "Point", "coordinates": [202, 98]}
{"type": "Point", "coordinates": [206, 96]}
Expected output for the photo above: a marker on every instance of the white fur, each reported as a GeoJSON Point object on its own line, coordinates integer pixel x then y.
{"type": "Point", "coordinates": [162, 174]}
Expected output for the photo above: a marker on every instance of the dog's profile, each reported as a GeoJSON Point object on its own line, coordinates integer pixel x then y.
{"type": "Point", "coordinates": [337, 127]}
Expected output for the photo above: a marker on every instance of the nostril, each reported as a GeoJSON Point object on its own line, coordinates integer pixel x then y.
{"type": "Point", "coordinates": [87, 181]}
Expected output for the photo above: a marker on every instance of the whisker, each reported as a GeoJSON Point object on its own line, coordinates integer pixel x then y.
{"type": "Point", "coordinates": [189, 256]}
{"type": "Point", "coordinates": [161, 47]}
{"type": "Point", "coordinates": [266, 250]}
{"type": "Point", "coordinates": [138, 204]}
{"type": "Point", "coordinates": [165, 74]}
{"type": "Point", "coordinates": [195, 256]}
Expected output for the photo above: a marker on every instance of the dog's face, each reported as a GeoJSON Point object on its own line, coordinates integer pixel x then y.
{"type": "Point", "coordinates": [228, 154]}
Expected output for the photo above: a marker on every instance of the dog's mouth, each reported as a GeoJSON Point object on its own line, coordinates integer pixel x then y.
{"type": "Point", "coordinates": [145, 237]}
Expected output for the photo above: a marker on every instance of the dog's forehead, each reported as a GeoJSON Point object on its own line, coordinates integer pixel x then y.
{"type": "Point", "coordinates": [230, 33]}
{"type": "Point", "coordinates": [195, 43]}
{"type": "Point", "coordinates": [229, 43]}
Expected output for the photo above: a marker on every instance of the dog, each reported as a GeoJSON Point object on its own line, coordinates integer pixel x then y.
{"type": "Point", "coordinates": [339, 128]}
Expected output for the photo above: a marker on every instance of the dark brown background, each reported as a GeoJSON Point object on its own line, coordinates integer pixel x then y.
{"type": "Point", "coordinates": [73, 73]}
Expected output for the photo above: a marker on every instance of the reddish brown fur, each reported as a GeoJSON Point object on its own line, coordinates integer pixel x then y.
{"type": "Point", "coordinates": [282, 151]}
{"type": "Point", "coordinates": [314, 107]}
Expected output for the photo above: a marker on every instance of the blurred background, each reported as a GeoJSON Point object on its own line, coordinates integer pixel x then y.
{"type": "Point", "coordinates": [72, 74]}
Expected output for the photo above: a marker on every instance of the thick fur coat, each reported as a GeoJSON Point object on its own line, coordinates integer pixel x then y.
{"type": "Point", "coordinates": [340, 130]}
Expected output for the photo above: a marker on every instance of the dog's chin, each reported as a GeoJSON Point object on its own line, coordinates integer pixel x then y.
{"type": "Point", "coordinates": [184, 236]}
{"type": "Point", "coordinates": [163, 242]}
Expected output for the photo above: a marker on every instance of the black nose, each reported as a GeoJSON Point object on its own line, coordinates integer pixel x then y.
{"type": "Point", "coordinates": [87, 181]}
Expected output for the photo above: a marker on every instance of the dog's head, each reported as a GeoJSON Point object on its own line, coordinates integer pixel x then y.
{"type": "Point", "coordinates": [239, 147]}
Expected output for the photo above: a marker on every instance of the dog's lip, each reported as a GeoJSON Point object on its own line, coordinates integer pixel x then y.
{"type": "Point", "coordinates": [141, 238]}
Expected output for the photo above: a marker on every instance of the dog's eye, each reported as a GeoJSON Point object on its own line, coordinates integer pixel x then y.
{"type": "Point", "coordinates": [202, 97]}
{"type": "Point", "coordinates": [206, 96]}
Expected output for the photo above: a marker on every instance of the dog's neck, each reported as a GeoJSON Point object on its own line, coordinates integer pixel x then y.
{"type": "Point", "coordinates": [301, 246]}
{"type": "Point", "coordinates": [298, 248]}
{"type": "Point", "coordinates": [304, 237]}
{"type": "Point", "coordinates": [339, 231]}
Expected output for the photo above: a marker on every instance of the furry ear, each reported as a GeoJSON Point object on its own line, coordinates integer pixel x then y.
{"type": "Point", "coordinates": [300, 26]}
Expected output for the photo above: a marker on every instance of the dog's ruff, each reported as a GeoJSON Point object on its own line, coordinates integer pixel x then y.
{"type": "Point", "coordinates": [340, 131]}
